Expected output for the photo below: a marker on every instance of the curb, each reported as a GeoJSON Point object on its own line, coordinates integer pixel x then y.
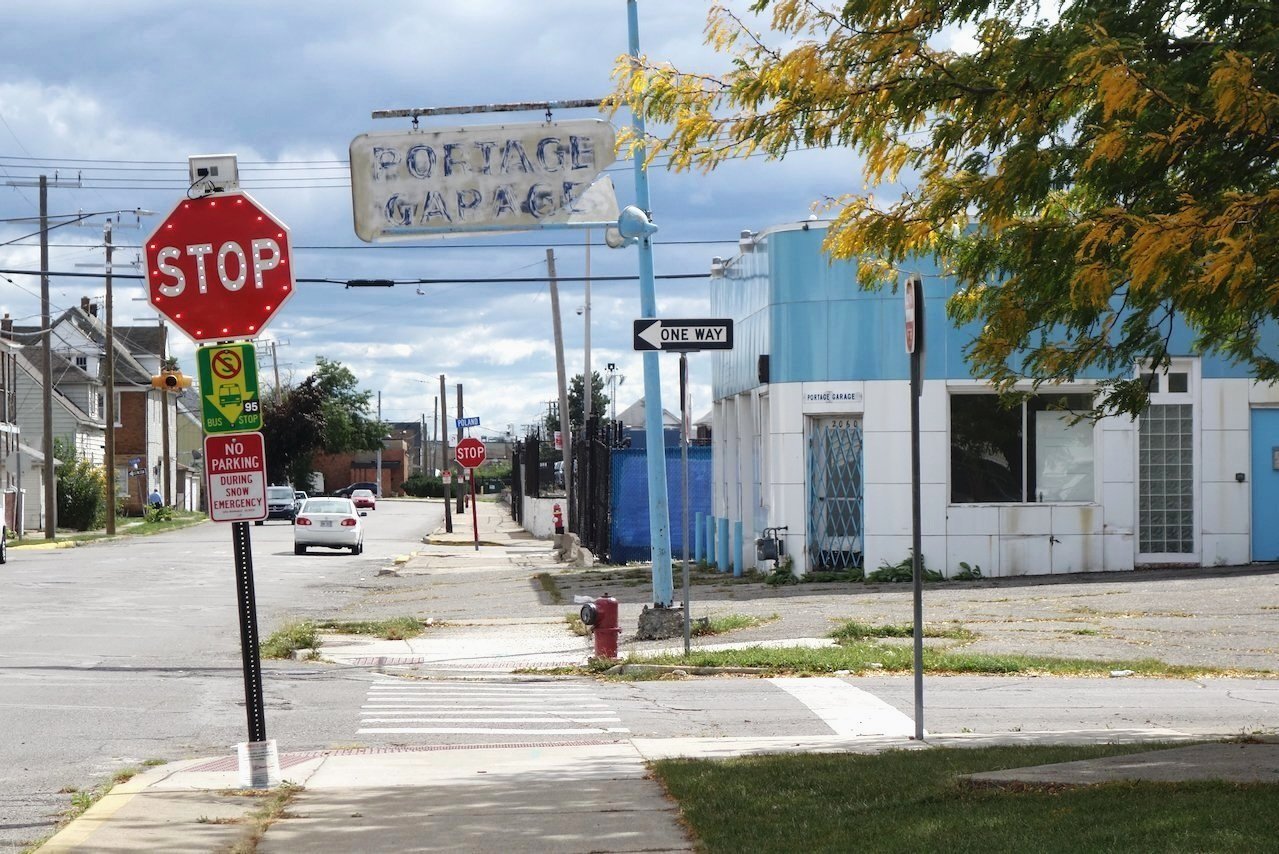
{"type": "Point", "coordinates": [80, 828]}
{"type": "Point", "coordinates": [440, 541]}
{"type": "Point", "coordinates": [638, 669]}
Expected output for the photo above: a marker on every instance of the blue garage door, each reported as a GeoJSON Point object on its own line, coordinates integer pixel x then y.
{"type": "Point", "coordinates": [1265, 484]}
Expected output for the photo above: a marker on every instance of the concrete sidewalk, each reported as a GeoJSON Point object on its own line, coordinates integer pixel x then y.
{"type": "Point", "coordinates": [581, 797]}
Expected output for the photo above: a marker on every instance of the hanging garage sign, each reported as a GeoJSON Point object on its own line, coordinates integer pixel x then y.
{"type": "Point", "coordinates": [412, 184]}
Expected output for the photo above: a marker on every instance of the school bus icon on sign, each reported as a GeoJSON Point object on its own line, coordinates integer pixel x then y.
{"type": "Point", "coordinates": [229, 388]}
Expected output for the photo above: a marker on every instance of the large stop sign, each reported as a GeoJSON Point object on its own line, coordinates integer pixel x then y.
{"type": "Point", "coordinates": [470, 453]}
{"type": "Point", "coordinates": [219, 266]}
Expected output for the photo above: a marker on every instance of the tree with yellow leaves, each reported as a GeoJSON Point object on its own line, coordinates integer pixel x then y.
{"type": "Point", "coordinates": [1090, 174]}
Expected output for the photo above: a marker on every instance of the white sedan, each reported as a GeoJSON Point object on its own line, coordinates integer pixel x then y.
{"type": "Point", "coordinates": [333, 523]}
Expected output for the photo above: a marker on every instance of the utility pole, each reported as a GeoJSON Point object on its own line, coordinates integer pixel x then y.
{"type": "Point", "coordinates": [588, 384]}
{"type": "Point", "coordinates": [435, 433]}
{"type": "Point", "coordinates": [109, 368]}
{"type": "Point", "coordinates": [164, 433]}
{"type": "Point", "coordinates": [379, 446]}
{"type": "Point", "coordinates": [444, 450]}
{"type": "Point", "coordinates": [275, 365]}
{"type": "Point", "coordinates": [46, 365]}
{"type": "Point", "coordinates": [461, 493]}
{"type": "Point", "coordinates": [421, 444]}
{"type": "Point", "coordinates": [565, 423]}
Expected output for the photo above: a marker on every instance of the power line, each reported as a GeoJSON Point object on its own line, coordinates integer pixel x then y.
{"type": "Point", "coordinates": [356, 281]}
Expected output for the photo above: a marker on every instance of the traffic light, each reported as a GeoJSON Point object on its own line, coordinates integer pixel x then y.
{"type": "Point", "coordinates": [171, 380]}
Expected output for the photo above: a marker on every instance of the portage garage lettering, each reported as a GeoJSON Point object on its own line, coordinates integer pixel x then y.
{"type": "Point", "coordinates": [517, 175]}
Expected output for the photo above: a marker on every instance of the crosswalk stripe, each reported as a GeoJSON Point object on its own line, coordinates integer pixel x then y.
{"type": "Point", "coordinates": [461, 708]}
{"type": "Point", "coordinates": [378, 707]}
{"type": "Point", "coordinates": [431, 730]}
{"type": "Point", "coordinates": [521, 720]}
{"type": "Point", "coordinates": [845, 709]}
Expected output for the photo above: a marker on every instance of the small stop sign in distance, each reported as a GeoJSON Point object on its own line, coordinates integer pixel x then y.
{"type": "Point", "coordinates": [470, 453]}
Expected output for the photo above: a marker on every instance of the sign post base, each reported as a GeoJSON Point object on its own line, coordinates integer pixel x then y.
{"type": "Point", "coordinates": [259, 764]}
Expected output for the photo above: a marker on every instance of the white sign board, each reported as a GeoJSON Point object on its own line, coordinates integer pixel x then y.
{"type": "Point", "coordinates": [510, 176]}
{"type": "Point", "coordinates": [235, 477]}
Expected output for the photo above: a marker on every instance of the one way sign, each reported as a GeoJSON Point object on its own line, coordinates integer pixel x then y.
{"type": "Point", "coordinates": [683, 335]}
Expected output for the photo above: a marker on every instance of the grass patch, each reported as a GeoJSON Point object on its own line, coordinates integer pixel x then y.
{"type": "Point", "coordinates": [82, 799]}
{"type": "Point", "coordinates": [125, 527]}
{"type": "Point", "coordinates": [394, 628]}
{"type": "Point", "coordinates": [550, 588]}
{"type": "Point", "coordinates": [913, 801]}
{"type": "Point", "coordinates": [272, 809]}
{"type": "Point", "coordinates": [575, 624]}
{"type": "Point", "coordinates": [728, 623]}
{"type": "Point", "coordinates": [865, 656]}
{"type": "Point", "coordinates": [292, 636]}
{"type": "Point", "coordinates": [852, 630]}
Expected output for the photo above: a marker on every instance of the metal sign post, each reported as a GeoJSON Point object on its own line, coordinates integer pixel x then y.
{"type": "Point", "coordinates": [248, 608]}
{"type": "Point", "coordinates": [915, 347]}
{"type": "Point", "coordinates": [683, 420]}
{"type": "Point", "coordinates": [470, 454]}
{"type": "Point", "coordinates": [684, 337]}
{"type": "Point", "coordinates": [250, 275]}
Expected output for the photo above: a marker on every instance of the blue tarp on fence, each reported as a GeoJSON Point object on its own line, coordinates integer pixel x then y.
{"type": "Point", "coordinates": [630, 531]}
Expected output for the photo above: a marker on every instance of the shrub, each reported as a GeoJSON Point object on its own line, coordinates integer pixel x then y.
{"type": "Point", "coordinates": [81, 490]}
{"type": "Point", "coordinates": [903, 571]}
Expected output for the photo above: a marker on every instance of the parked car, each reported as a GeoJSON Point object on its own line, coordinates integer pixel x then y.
{"type": "Point", "coordinates": [299, 496]}
{"type": "Point", "coordinates": [4, 544]}
{"type": "Point", "coordinates": [364, 498]}
{"type": "Point", "coordinates": [280, 504]}
{"type": "Point", "coordinates": [332, 523]}
{"type": "Point", "coordinates": [346, 491]}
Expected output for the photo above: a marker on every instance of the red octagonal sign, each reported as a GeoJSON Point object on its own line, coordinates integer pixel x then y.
{"type": "Point", "coordinates": [219, 266]}
{"type": "Point", "coordinates": [470, 453]}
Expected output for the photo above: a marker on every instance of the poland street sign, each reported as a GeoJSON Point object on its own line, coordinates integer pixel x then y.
{"type": "Point", "coordinates": [683, 335]}
{"type": "Point", "coordinates": [473, 421]}
{"type": "Point", "coordinates": [235, 475]}
{"type": "Point", "coordinates": [229, 388]}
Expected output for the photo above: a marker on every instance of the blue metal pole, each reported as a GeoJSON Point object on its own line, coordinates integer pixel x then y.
{"type": "Point", "coordinates": [712, 556]}
{"type": "Point", "coordinates": [721, 544]}
{"type": "Point", "coordinates": [659, 520]}
{"type": "Point", "coordinates": [737, 548]}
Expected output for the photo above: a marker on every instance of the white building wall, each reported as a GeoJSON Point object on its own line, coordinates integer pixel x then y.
{"type": "Point", "coordinates": [1001, 539]}
{"type": "Point", "coordinates": [1226, 501]}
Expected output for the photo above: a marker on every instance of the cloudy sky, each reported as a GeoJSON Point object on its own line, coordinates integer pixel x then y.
{"type": "Point", "coordinates": [112, 98]}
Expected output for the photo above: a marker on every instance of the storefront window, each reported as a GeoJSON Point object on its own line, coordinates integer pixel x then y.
{"type": "Point", "coordinates": [1031, 452]}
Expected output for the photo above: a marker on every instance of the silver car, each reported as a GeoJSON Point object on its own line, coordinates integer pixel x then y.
{"type": "Point", "coordinates": [332, 523]}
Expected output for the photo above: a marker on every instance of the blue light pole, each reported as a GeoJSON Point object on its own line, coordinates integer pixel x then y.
{"type": "Point", "coordinates": [658, 507]}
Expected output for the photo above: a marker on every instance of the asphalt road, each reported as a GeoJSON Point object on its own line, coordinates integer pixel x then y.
{"type": "Point", "coordinates": [115, 653]}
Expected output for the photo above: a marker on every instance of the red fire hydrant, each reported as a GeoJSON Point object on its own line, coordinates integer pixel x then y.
{"type": "Point", "coordinates": [557, 516]}
{"type": "Point", "coordinates": [602, 618]}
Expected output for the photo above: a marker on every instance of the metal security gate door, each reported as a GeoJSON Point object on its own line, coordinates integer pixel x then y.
{"type": "Point", "coordinates": [835, 493]}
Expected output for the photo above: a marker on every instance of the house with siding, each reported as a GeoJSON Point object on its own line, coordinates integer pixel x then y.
{"type": "Point", "coordinates": [78, 344]}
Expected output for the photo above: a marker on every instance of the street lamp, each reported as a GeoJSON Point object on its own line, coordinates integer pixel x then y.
{"type": "Point", "coordinates": [614, 380]}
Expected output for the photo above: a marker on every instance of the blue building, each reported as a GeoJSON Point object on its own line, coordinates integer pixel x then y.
{"type": "Point", "coordinates": [811, 430]}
